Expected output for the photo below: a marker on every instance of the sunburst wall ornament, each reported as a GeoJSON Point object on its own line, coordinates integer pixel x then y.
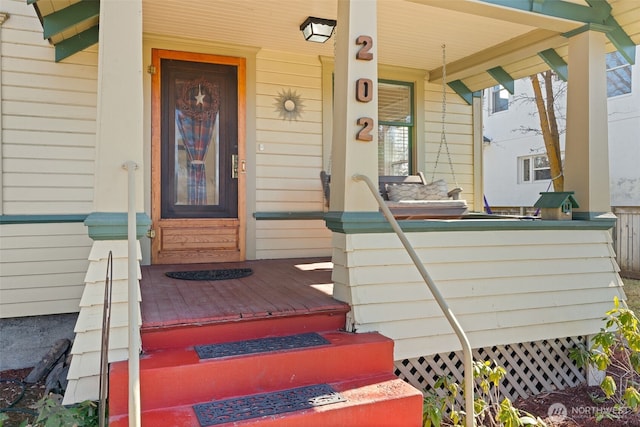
{"type": "Point", "coordinates": [289, 105]}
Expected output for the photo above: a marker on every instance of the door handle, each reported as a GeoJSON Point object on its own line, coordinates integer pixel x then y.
{"type": "Point", "coordinates": [237, 168]}
{"type": "Point", "coordinates": [234, 166]}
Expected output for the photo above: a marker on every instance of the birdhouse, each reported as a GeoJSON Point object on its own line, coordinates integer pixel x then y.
{"type": "Point", "coordinates": [556, 205]}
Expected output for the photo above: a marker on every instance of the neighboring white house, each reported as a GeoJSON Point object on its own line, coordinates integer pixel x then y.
{"type": "Point", "coordinates": [515, 166]}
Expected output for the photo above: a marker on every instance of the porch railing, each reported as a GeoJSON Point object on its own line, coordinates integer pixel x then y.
{"type": "Point", "coordinates": [134, 309]}
{"type": "Point", "coordinates": [453, 321]}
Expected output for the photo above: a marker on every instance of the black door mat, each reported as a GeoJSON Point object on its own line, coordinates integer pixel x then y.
{"type": "Point", "coordinates": [261, 345]}
{"type": "Point", "coordinates": [265, 404]}
{"type": "Point", "coordinates": [221, 274]}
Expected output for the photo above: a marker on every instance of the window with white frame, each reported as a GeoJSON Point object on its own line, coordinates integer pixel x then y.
{"type": "Point", "coordinates": [618, 75]}
{"type": "Point", "coordinates": [534, 168]}
{"type": "Point", "coordinates": [498, 99]}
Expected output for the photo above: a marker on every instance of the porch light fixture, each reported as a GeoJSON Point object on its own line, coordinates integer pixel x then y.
{"type": "Point", "coordinates": [317, 29]}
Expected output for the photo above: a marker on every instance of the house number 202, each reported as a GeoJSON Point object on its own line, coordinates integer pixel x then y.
{"type": "Point", "coordinates": [364, 89]}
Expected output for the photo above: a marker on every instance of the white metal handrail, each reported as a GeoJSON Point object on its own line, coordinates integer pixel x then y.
{"type": "Point", "coordinates": [134, 309]}
{"type": "Point", "coordinates": [453, 321]}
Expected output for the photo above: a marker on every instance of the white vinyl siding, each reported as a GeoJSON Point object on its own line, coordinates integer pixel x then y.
{"type": "Point", "coordinates": [504, 286]}
{"type": "Point", "coordinates": [42, 268]}
{"type": "Point", "coordinates": [48, 121]}
{"type": "Point", "coordinates": [459, 139]}
{"type": "Point", "coordinates": [289, 157]}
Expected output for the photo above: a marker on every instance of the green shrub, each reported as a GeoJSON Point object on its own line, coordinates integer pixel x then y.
{"type": "Point", "coordinates": [491, 410]}
{"type": "Point", "coordinates": [616, 348]}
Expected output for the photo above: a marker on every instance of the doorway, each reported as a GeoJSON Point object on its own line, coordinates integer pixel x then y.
{"type": "Point", "coordinates": [198, 146]}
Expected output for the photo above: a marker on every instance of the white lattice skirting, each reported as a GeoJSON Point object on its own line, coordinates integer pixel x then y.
{"type": "Point", "coordinates": [532, 367]}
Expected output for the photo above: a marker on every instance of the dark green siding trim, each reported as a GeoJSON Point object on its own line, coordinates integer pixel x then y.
{"type": "Point", "coordinates": [357, 222]}
{"type": "Point", "coordinates": [587, 27]}
{"type": "Point", "coordinates": [76, 43]}
{"type": "Point", "coordinates": [594, 216]}
{"type": "Point", "coordinates": [288, 215]}
{"type": "Point", "coordinates": [597, 15]}
{"type": "Point", "coordinates": [63, 19]}
{"type": "Point", "coordinates": [113, 225]}
{"type": "Point", "coordinates": [621, 40]}
{"type": "Point", "coordinates": [559, 9]}
{"type": "Point", "coordinates": [555, 62]}
{"type": "Point", "coordinates": [462, 90]}
{"type": "Point", "coordinates": [41, 219]}
{"type": "Point", "coordinates": [374, 222]}
{"type": "Point", "coordinates": [502, 77]}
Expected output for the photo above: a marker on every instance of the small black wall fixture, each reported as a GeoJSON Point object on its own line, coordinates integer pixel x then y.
{"type": "Point", "coordinates": [317, 30]}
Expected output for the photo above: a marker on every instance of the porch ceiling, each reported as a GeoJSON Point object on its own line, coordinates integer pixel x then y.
{"type": "Point", "coordinates": [479, 35]}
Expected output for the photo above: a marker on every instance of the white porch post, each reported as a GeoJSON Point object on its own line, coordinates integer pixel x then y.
{"type": "Point", "coordinates": [119, 139]}
{"type": "Point", "coordinates": [120, 103]}
{"type": "Point", "coordinates": [349, 155]}
{"type": "Point", "coordinates": [586, 151]}
{"type": "Point", "coordinates": [352, 204]}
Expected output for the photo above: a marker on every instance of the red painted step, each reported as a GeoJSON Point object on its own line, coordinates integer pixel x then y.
{"type": "Point", "coordinates": [180, 336]}
{"type": "Point", "coordinates": [178, 377]}
{"type": "Point", "coordinates": [381, 400]}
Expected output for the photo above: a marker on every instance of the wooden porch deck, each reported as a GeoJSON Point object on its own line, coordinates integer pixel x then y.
{"type": "Point", "coordinates": [276, 288]}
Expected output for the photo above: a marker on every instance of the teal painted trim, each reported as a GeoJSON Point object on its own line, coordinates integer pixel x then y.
{"type": "Point", "coordinates": [477, 94]}
{"type": "Point", "coordinates": [621, 41]}
{"type": "Point", "coordinates": [502, 77]}
{"type": "Point", "coordinates": [597, 15]}
{"type": "Point", "coordinates": [30, 2]}
{"type": "Point", "coordinates": [374, 222]}
{"type": "Point", "coordinates": [595, 216]}
{"type": "Point", "coordinates": [559, 9]}
{"type": "Point", "coordinates": [288, 215]}
{"type": "Point", "coordinates": [555, 199]}
{"type": "Point", "coordinates": [66, 18]}
{"type": "Point", "coordinates": [113, 225]}
{"type": "Point", "coordinates": [76, 43]}
{"type": "Point", "coordinates": [409, 85]}
{"type": "Point", "coordinates": [614, 33]}
{"type": "Point", "coordinates": [556, 63]}
{"type": "Point", "coordinates": [462, 90]}
{"type": "Point", "coordinates": [41, 219]}
{"type": "Point", "coordinates": [587, 27]}
{"type": "Point", "coordinates": [356, 222]}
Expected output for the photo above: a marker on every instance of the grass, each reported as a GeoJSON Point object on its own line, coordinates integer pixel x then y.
{"type": "Point", "coordinates": [632, 290]}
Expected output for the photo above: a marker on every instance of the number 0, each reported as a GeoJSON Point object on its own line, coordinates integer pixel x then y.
{"type": "Point", "coordinates": [364, 90]}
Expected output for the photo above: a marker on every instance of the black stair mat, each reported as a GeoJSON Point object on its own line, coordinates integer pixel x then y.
{"type": "Point", "coordinates": [265, 404]}
{"type": "Point", "coordinates": [261, 345]}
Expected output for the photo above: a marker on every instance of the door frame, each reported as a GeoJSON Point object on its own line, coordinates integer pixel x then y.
{"type": "Point", "coordinates": [191, 256]}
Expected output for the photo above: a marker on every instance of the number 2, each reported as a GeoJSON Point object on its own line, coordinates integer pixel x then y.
{"type": "Point", "coordinates": [364, 134]}
{"type": "Point", "coordinates": [365, 51]}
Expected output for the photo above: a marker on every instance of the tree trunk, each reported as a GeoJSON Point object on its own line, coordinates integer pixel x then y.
{"type": "Point", "coordinates": [549, 127]}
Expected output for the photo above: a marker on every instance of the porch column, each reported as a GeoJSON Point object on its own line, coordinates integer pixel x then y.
{"type": "Point", "coordinates": [586, 165]}
{"type": "Point", "coordinates": [355, 107]}
{"type": "Point", "coordinates": [119, 138]}
{"type": "Point", "coordinates": [355, 139]}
